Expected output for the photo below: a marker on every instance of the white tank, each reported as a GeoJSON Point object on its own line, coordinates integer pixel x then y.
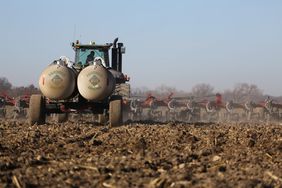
{"type": "Point", "coordinates": [95, 83]}
{"type": "Point", "coordinates": [58, 82]}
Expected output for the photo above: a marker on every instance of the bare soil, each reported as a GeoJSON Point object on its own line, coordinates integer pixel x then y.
{"type": "Point", "coordinates": [140, 154]}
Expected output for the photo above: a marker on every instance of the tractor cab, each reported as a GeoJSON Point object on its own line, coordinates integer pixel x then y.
{"type": "Point", "coordinates": [85, 54]}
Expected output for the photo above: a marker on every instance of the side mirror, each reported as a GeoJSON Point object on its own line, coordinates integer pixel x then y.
{"type": "Point", "coordinates": [122, 50]}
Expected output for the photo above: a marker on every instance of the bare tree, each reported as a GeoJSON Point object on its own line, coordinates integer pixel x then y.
{"type": "Point", "coordinates": [164, 90]}
{"type": "Point", "coordinates": [228, 95]}
{"type": "Point", "coordinates": [5, 85]}
{"type": "Point", "coordinates": [202, 90]}
{"type": "Point", "coordinates": [139, 91]}
{"type": "Point", "coordinates": [244, 92]}
{"type": "Point", "coordinates": [28, 90]}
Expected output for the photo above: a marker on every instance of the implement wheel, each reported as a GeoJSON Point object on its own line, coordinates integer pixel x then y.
{"type": "Point", "coordinates": [37, 110]}
{"type": "Point", "coordinates": [61, 118]}
{"type": "Point", "coordinates": [102, 119]}
{"type": "Point", "coordinates": [115, 111]}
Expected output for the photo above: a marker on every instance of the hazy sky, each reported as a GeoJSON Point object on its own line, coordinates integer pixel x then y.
{"type": "Point", "coordinates": [176, 43]}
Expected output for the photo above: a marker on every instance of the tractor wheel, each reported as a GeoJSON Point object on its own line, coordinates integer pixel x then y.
{"type": "Point", "coordinates": [26, 115]}
{"type": "Point", "coordinates": [115, 111]}
{"type": "Point", "coordinates": [37, 110]}
{"type": "Point", "coordinates": [102, 119]}
{"type": "Point", "coordinates": [123, 90]}
{"type": "Point", "coordinates": [4, 113]}
{"type": "Point", "coordinates": [61, 118]}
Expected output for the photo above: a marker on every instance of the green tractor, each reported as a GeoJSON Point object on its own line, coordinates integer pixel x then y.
{"type": "Point", "coordinates": [91, 83]}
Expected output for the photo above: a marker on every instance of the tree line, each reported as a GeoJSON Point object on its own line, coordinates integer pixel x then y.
{"type": "Point", "coordinates": [7, 88]}
{"type": "Point", "coordinates": [240, 93]}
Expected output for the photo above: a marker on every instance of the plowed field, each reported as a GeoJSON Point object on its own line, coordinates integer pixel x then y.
{"type": "Point", "coordinates": [140, 154]}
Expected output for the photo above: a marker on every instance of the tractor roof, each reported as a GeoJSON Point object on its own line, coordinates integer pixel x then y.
{"type": "Point", "coordinates": [77, 45]}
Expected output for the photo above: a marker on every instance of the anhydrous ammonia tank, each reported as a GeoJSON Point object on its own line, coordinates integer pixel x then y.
{"type": "Point", "coordinates": [58, 82]}
{"type": "Point", "coordinates": [95, 82]}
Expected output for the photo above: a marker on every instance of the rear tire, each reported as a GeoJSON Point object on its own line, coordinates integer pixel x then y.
{"type": "Point", "coordinates": [115, 111]}
{"type": "Point", "coordinates": [123, 90]}
{"type": "Point", "coordinates": [102, 119]}
{"type": "Point", "coordinates": [3, 113]}
{"type": "Point", "coordinates": [37, 110]}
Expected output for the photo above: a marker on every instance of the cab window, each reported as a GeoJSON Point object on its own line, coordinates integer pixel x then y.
{"type": "Point", "coordinates": [81, 55]}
